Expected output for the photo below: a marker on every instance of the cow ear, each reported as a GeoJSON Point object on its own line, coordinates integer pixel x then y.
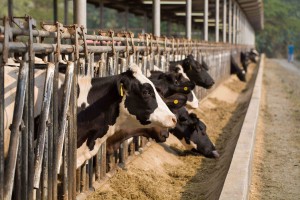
{"type": "Point", "coordinates": [123, 86]}
{"type": "Point", "coordinates": [205, 66]}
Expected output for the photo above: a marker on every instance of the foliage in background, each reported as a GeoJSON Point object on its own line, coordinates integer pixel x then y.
{"type": "Point", "coordinates": [282, 27]}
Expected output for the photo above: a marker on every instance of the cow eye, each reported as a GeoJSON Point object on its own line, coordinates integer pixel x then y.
{"type": "Point", "coordinates": [146, 93]}
{"type": "Point", "coordinates": [176, 82]}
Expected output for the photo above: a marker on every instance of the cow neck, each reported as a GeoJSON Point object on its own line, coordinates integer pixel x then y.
{"type": "Point", "coordinates": [102, 112]}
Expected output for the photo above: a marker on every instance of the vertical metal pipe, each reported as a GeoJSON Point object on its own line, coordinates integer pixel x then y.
{"type": "Point", "coordinates": [156, 17]}
{"type": "Point", "coordinates": [145, 22]}
{"type": "Point", "coordinates": [1, 127]}
{"type": "Point", "coordinates": [55, 11]}
{"type": "Point", "coordinates": [217, 20]}
{"type": "Point", "coordinates": [101, 12]}
{"type": "Point", "coordinates": [43, 123]}
{"type": "Point", "coordinates": [224, 20]}
{"type": "Point", "coordinates": [234, 24]}
{"type": "Point", "coordinates": [15, 133]}
{"type": "Point", "coordinates": [126, 22]}
{"type": "Point", "coordinates": [206, 20]}
{"type": "Point", "coordinates": [230, 22]}
{"type": "Point", "coordinates": [10, 8]}
{"type": "Point", "coordinates": [80, 12]}
{"type": "Point", "coordinates": [188, 19]}
{"type": "Point", "coordinates": [24, 146]}
{"type": "Point", "coordinates": [66, 9]}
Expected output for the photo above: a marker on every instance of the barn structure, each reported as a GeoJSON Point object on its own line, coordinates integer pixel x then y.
{"type": "Point", "coordinates": [29, 171]}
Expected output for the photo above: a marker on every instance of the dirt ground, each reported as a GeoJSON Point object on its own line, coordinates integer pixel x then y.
{"type": "Point", "coordinates": [276, 167]}
{"type": "Point", "coordinates": [166, 172]}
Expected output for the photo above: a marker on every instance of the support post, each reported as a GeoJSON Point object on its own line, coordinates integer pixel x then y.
{"type": "Point", "coordinates": [224, 20]}
{"type": "Point", "coordinates": [80, 12]}
{"type": "Point", "coordinates": [234, 24]}
{"type": "Point", "coordinates": [217, 20]}
{"type": "Point", "coordinates": [126, 19]}
{"type": "Point", "coordinates": [55, 11]}
{"type": "Point", "coordinates": [230, 22]}
{"type": "Point", "coordinates": [156, 17]}
{"type": "Point", "coordinates": [10, 8]}
{"type": "Point", "coordinates": [145, 23]}
{"type": "Point", "coordinates": [206, 20]}
{"type": "Point", "coordinates": [189, 19]}
{"type": "Point", "coordinates": [66, 8]}
{"type": "Point", "coordinates": [101, 10]}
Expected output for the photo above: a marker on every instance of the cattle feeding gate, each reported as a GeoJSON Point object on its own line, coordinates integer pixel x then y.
{"type": "Point", "coordinates": [31, 169]}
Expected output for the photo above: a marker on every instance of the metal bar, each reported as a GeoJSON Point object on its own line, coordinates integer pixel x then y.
{"type": "Point", "coordinates": [30, 114]}
{"type": "Point", "coordinates": [10, 8]}
{"type": "Point", "coordinates": [126, 22]}
{"type": "Point", "coordinates": [55, 18]}
{"type": "Point", "coordinates": [15, 132]}
{"type": "Point", "coordinates": [67, 35]}
{"type": "Point", "coordinates": [103, 160]}
{"type": "Point", "coordinates": [234, 24]}
{"type": "Point", "coordinates": [50, 148]}
{"type": "Point", "coordinates": [1, 127]}
{"type": "Point", "coordinates": [230, 22]}
{"type": "Point", "coordinates": [63, 115]}
{"type": "Point", "coordinates": [44, 183]}
{"type": "Point", "coordinates": [80, 12]}
{"type": "Point", "coordinates": [205, 20]}
{"type": "Point", "coordinates": [18, 184]}
{"type": "Point", "coordinates": [65, 169]}
{"type": "Point", "coordinates": [145, 22]}
{"type": "Point", "coordinates": [90, 174]}
{"type": "Point", "coordinates": [217, 29]}
{"type": "Point", "coordinates": [156, 17]}
{"type": "Point", "coordinates": [101, 9]}
{"type": "Point", "coordinates": [66, 10]}
{"type": "Point", "coordinates": [43, 123]}
{"type": "Point", "coordinates": [24, 146]}
{"type": "Point", "coordinates": [189, 19]}
{"type": "Point", "coordinates": [224, 20]}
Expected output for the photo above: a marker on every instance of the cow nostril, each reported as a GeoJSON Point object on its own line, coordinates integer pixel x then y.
{"type": "Point", "coordinates": [174, 120]}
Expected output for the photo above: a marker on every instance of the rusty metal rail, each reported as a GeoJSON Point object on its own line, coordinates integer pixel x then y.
{"type": "Point", "coordinates": [30, 174]}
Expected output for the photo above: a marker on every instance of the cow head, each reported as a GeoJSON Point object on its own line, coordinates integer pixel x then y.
{"type": "Point", "coordinates": [192, 133]}
{"type": "Point", "coordinates": [254, 55]}
{"type": "Point", "coordinates": [170, 83]}
{"type": "Point", "coordinates": [192, 101]}
{"type": "Point", "coordinates": [176, 101]}
{"type": "Point", "coordinates": [196, 72]}
{"type": "Point", "coordinates": [141, 102]}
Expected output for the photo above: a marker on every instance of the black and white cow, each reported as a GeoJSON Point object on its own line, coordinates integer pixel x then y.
{"type": "Point", "coordinates": [248, 57]}
{"type": "Point", "coordinates": [168, 83]}
{"type": "Point", "coordinates": [235, 69]}
{"type": "Point", "coordinates": [191, 131]}
{"type": "Point", "coordinates": [105, 106]}
{"type": "Point", "coordinates": [175, 101]}
{"type": "Point", "coordinates": [196, 73]}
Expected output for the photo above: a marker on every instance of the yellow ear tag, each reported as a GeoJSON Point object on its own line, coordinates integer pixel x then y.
{"type": "Point", "coordinates": [175, 101]}
{"type": "Point", "coordinates": [185, 88]}
{"type": "Point", "coordinates": [121, 90]}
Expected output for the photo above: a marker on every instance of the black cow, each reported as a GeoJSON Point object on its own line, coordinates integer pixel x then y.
{"type": "Point", "coordinates": [191, 131]}
{"type": "Point", "coordinates": [248, 57]}
{"type": "Point", "coordinates": [235, 69]}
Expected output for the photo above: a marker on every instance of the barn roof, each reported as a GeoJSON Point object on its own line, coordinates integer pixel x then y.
{"type": "Point", "coordinates": [253, 9]}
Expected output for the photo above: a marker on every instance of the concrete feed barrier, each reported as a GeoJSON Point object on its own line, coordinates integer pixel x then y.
{"type": "Point", "coordinates": [237, 182]}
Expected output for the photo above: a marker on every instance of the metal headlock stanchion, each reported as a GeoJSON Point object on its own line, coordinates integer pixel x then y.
{"type": "Point", "coordinates": [35, 174]}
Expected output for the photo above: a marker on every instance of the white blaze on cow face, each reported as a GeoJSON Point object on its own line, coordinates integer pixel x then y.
{"type": "Point", "coordinates": [182, 72]}
{"type": "Point", "coordinates": [194, 103]}
{"type": "Point", "coordinates": [161, 116]}
{"type": "Point", "coordinates": [85, 85]}
{"type": "Point", "coordinates": [187, 146]}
